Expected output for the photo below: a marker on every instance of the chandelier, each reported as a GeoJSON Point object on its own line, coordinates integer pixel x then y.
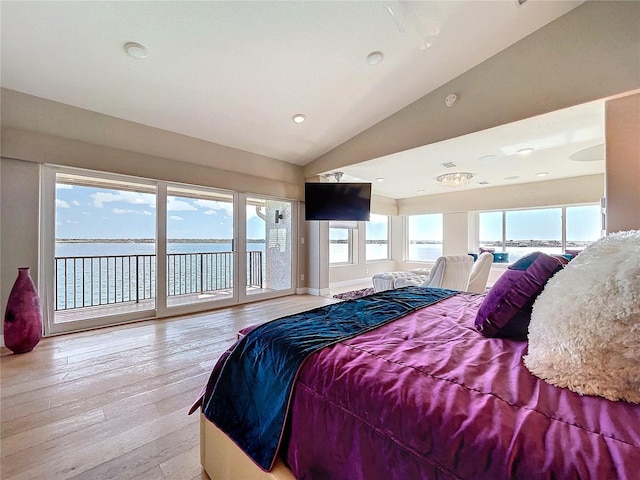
{"type": "Point", "coordinates": [455, 179]}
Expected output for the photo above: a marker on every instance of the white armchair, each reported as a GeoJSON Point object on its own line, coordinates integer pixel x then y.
{"type": "Point", "coordinates": [450, 271]}
{"type": "Point", "coordinates": [480, 273]}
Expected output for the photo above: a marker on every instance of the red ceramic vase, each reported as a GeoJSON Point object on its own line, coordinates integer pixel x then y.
{"type": "Point", "coordinates": [23, 317]}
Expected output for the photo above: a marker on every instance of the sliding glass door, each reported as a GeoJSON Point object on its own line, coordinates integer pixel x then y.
{"type": "Point", "coordinates": [200, 262]}
{"type": "Point", "coordinates": [117, 249]}
{"type": "Point", "coordinates": [103, 266]}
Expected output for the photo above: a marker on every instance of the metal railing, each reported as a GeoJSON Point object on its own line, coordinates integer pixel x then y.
{"type": "Point", "coordinates": [114, 279]}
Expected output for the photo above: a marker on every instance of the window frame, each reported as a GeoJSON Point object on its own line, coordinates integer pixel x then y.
{"type": "Point", "coordinates": [408, 238]}
{"type": "Point", "coordinates": [387, 241]}
{"type": "Point", "coordinates": [563, 208]}
{"type": "Point", "coordinates": [349, 227]}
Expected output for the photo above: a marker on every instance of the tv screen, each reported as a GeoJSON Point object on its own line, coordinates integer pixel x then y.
{"type": "Point", "coordinates": [337, 201]}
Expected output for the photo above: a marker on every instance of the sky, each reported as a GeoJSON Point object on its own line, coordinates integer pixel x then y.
{"type": "Point", "coordinates": [583, 223]}
{"type": "Point", "coordinates": [87, 212]}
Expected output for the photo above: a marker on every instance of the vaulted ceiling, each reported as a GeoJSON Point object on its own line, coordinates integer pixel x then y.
{"type": "Point", "coordinates": [235, 73]}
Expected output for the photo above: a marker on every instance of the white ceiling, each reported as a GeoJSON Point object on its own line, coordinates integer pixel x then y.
{"type": "Point", "coordinates": [234, 73]}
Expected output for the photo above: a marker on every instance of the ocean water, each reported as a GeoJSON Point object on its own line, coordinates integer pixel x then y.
{"type": "Point", "coordinates": [69, 249]}
{"type": "Point", "coordinates": [105, 281]}
{"type": "Point", "coordinates": [182, 277]}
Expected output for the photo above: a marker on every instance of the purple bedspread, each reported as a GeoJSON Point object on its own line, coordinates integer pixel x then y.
{"type": "Point", "coordinates": [427, 397]}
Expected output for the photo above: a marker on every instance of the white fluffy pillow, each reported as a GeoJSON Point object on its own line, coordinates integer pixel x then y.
{"type": "Point", "coordinates": [584, 332]}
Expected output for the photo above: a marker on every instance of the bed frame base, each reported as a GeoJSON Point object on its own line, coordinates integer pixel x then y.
{"type": "Point", "coordinates": [223, 460]}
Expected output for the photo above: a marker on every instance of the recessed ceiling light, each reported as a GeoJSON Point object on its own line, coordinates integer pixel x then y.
{"type": "Point", "coordinates": [374, 58]}
{"type": "Point", "coordinates": [379, 179]}
{"type": "Point", "coordinates": [299, 118]}
{"type": "Point", "coordinates": [524, 151]}
{"type": "Point", "coordinates": [484, 182]}
{"type": "Point", "coordinates": [136, 50]}
{"type": "Point", "coordinates": [542, 174]}
{"type": "Point", "coordinates": [512, 177]}
{"type": "Point", "coordinates": [487, 157]}
{"type": "Point", "coordinates": [420, 191]}
{"type": "Point", "coordinates": [448, 164]}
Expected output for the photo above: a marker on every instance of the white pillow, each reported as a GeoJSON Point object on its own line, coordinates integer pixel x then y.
{"type": "Point", "coordinates": [584, 332]}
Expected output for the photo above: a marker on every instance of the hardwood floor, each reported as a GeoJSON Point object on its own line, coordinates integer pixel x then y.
{"type": "Point", "coordinates": [112, 403]}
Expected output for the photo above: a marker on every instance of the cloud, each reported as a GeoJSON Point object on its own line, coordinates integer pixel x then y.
{"type": "Point", "coordinates": [175, 217]}
{"type": "Point", "coordinates": [134, 198]}
{"type": "Point", "coordinates": [175, 205]}
{"type": "Point", "coordinates": [100, 198]}
{"type": "Point", "coordinates": [122, 211]}
{"type": "Point", "coordinates": [215, 205]}
{"type": "Point", "coordinates": [63, 186]}
{"type": "Point", "coordinates": [62, 204]}
{"type": "Point", "coordinates": [76, 203]}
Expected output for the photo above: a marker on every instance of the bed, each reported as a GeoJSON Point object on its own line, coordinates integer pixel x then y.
{"type": "Point", "coordinates": [425, 396]}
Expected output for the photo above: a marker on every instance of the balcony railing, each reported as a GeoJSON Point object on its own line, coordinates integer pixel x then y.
{"type": "Point", "coordinates": [112, 279]}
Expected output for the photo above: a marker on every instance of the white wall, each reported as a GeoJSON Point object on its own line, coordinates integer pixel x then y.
{"type": "Point", "coordinates": [585, 189]}
{"type": "Point", "coordinates": [455, 229]}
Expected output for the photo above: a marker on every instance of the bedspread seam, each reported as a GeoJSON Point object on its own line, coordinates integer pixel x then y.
{"type": "Point", "coordinates": [353, 347]}
{"type": "Point", "coordinates": [384, 434]}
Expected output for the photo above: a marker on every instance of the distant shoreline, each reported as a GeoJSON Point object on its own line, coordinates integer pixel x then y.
{"type": "Point", "coordinates": [151, 240]}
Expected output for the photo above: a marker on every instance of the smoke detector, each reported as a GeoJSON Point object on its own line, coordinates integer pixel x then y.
{"type": "Point", "coordinates": [451, 100]}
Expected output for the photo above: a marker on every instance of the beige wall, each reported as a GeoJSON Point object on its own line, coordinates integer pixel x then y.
{"type": "Point", "coordinates": [19, 222]}
{"type": "Point", "coordinates": [622, 124]}
{"type": "Point", "coordinates": [588, 54]}
{"type": "Point", "coordinates": [131, 148]}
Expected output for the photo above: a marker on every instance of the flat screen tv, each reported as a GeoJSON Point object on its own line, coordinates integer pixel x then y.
{"type": "Point", "coordinates": [337, 201]}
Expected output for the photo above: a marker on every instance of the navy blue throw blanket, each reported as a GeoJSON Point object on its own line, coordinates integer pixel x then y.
{"type": "Point", "coordinates": [250, 398]}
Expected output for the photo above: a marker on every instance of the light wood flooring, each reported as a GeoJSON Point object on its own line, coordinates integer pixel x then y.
{"type": "Point", "coordinates": [112, 403]}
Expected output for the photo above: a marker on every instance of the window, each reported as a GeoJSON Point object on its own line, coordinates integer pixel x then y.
{"type": "Point", "coordinates": [377, 237]}
{"type": "Point", "coordinates": [529, 231]}
{"type": "Point", "coordinates": [122, 248]}
{"type": "Point", "coordinates": [491, 232]}
{"type": "Point", "coordinates": [341, 242]}
{"type": "Point", "coordinates": [425, 237]}
{"type": "Point", "coordinates": [583, 226]}
{"type": "Point", "coordinates": [549, 230]}
{"type": "Point", "coordinates": [104, 251]}
{"type": "Point", "coordinates": [199, 248]}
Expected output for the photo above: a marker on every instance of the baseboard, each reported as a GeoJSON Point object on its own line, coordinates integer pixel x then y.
{"type": "Point", "coordinates": [347, 283]}
{"type": "Point", "coordinates": [318, 292]}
